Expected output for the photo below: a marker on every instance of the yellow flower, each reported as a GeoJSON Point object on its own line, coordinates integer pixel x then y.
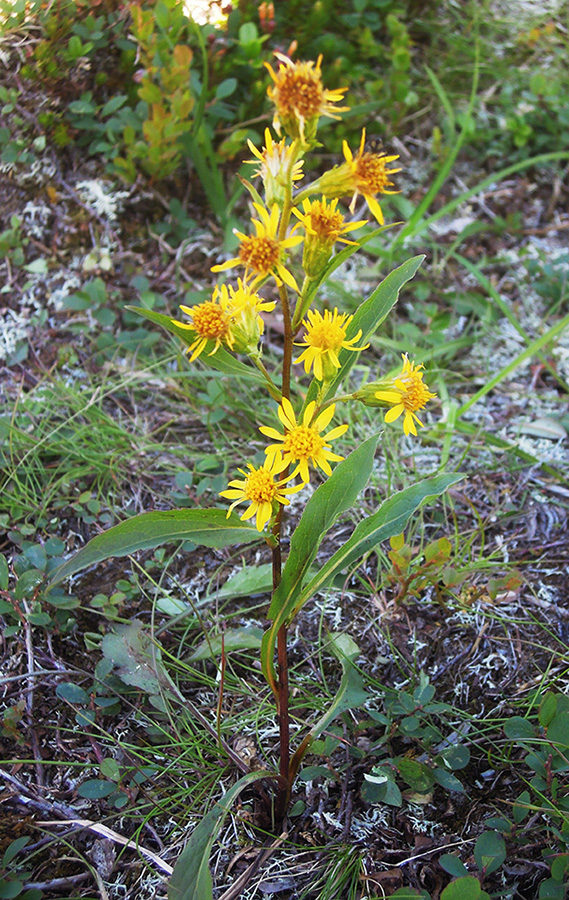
{"type": "Point", "coordinates": [302, 443]}
{"type": "Point", "coordinates": [275, 162]}
{"type": "Point", "coordinates": [300, 98]}
{"type": "Point", "coordinates": [211, 322]}
{"type": "Point", "coordinates": [325, 337]}
{"type": "Point", "coordinates": [365, 174]}
{"type": "Point", "coordinates": [261, 490]}
{"type": "Point", "coordinates": [263, 253]}
{"type": "Point", "coordinates": [407, 395]}
{"type": "Point", "coordinates": [324, 225]}
{"type": "Point", "coordinates": [244, 307]}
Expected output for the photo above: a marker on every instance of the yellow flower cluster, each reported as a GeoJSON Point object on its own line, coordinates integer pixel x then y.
{"type": "Point", "coordinates": [233, 317]}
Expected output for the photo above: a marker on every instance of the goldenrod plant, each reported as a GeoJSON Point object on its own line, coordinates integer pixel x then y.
{"type": "Point", "coordinates": [309, 387]}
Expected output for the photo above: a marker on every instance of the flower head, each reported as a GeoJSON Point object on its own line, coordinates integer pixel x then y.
{"type": "Point", "coordinates": [324, 225]}
{"type": "Point", "coordinates": [263, 253]}
{"type": "Point", "coordinates": [244, 307]}
{"type": "Point", "coordinates": [275, 160]}
{"type": "Point", "coordinates": [300, 98]}
{"type": "Point", "coordinates": [210, 322]}
{"type": "Point", "coordinates": [366, 173]}
{"type": "Point", "coordinates": [325, 337]}
{"type": "Point", "coordinates": [406, 394]}
{"type": "Point", "coordinates": [261, 490]}
{"type": "Point", "coordinates": [302, 443]}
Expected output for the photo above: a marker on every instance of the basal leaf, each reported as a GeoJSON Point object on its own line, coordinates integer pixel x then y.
{"type": "Point", "coordinates": [246, 638]}
{"type": "Point", "coordinates": [137, 659]}
{"type": "Point", "coordinates": [191, 878]}
{"type": "Point", "coordinates": [208, 527]}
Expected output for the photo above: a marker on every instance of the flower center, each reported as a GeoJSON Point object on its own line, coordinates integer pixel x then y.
{"type": "Point", "coordinates": [303, 442]}
{"type": "Point", "coordinates": [209, 320]}
{"type": "Point", "coordinates": [299, 93]}
{"type": "Point", "coordinates": [259, 253]}
{"type": "Point", "coordinates": [327, 335]}
{"type": "Point", "coordinates": [260, 487]}
{"type": "Point", "coordinates": [416, 395]}
{"type": "Point", "coordinates": [324, 222]}
{"type": "Point", "coordinates": [370, 170]}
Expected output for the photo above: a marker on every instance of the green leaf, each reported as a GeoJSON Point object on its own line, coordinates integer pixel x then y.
{"type": "Point", "coordinates": [191, 878]}
{"type": "Point", "coordinates": [390, 519]}
{"type": "Point", "coordinates": [448, 781]}
{"type": "Point", "coordinates": [551, 890]}
{"type": "Point", "coordinates": [95, 789]}
{"type": "Point", "coordinates": [333, 497]}
{"type": "Point", "coordinates": [560, 866]}
{"type": "Point", "coordinates": [138, 660]}
{"type": "Point", "coordinates": [499, 823]}
{"type": "Point", "coordinates": [221, 360]}
{"type": "Point", "coordinates": [113, 104]}
{"type": "Point", "coordinates": [350, 695]}
{"type": "Point", "coordinates": [208, 527]}
{"type": "Point", "coordinates": [519, 729]}
{"type": "Point", "coordinates": [72, 693]}
{"type": "Point", "coordinates": [417, 775]}
{"type": "Point", "coordinates": [372, 313]}
{"type": "Point", "coordinates": [558, 731]}
{"type": "Point", "coordinates": [452, 864]}
{"type": "Point", "coordinates": [14, 848]}
{"type": "Point", "coordinates": [4, 573]}
{"type": "Point", "coordinates": [248, 638]}
{"type": "Point", "coordinates": [456, 757]}
{"type": "Point", "coordinates": [464, 889]}
{"type": "Point", "coordinates": [226, 88]}
{"type": "Point", "coordinates": [110, 769]}
{"type": "Point", "coordinates": [27, 583]}
{"type": "Point", "coordinates": [489, 851]}
{"type": "Point", "coordinates": [409, 893]}
{"type": "Point", "coordinates": [547, 708]}
{"type": "Point", "coordinates": [336, 495]}
{"type": "Point", "coordinates": [245, 583]}
{"type": "Point", "coordinates": [10, 889]}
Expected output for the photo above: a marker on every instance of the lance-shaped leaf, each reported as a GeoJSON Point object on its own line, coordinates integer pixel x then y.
{"type": "Point", "coordinates": [220, 360]}
{"type": "Point", "coordinates": [208, 527]}
{"type": "Point", "coordinates": [350, 695]}
{"type": "Point", "coordinates": [337, 494]}
{"type": "Point", "coordinates": [191, 878]}
{"type": "Point", "coordinates": [390, 519]}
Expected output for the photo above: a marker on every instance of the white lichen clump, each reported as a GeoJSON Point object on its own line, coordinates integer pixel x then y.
{"type": "Point", "coordinates": [100, 198]}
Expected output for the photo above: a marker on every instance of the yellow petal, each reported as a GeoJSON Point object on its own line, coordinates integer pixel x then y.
{"type": "Point", "coordinates": [375, 208]}
{"type": "Point", "coordinates": [336, 433]}
{"type": "Point", "coordinates": [394, 413]}
{"type": "Point", "coordinates": [325, 418]}
{"type": "Point", "coordinates": [388, 396]}
{"type": "Point", "coordinates": [271, 433]}
{"type": "Point", "coordinates": [286, 414]}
